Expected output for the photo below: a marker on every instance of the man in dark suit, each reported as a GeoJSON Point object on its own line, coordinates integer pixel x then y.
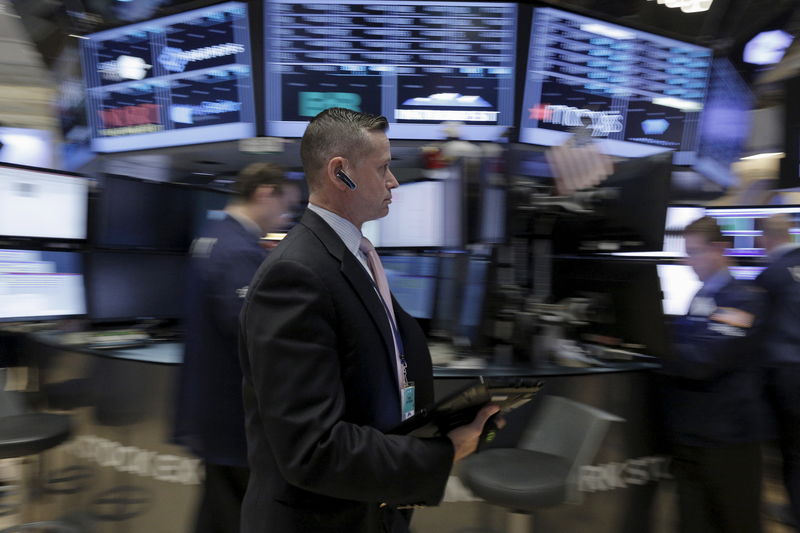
{"type": "Point", "coordinates": [209, 415]}
{"type": "Point", "coordinates": [331, 362]}
{"type": "Point", "coordinates": [711, 395]}
{"type": "Point", "coordinates": [781, 348]}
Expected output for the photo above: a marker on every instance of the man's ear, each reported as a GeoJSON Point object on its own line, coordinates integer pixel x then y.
{"type": "Point", "coordinates": [335, 165]}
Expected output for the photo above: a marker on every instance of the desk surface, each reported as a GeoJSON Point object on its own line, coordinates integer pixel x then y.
{"type": "Point", "coordinates": [164, 353]}
{"type": "Point", "coordinates": [171, 353]}
{"type": "Point", "coordinates": [527, 370]}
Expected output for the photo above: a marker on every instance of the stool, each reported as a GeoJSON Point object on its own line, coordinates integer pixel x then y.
{"type": "Point", "coordinates": [28, 434]}
{"type": "Point", "coordinates": [543, 470]}
{"type": "Point", "coordinates": [32, 433]}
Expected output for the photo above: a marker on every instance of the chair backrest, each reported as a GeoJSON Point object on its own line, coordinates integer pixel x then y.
{"type": "Point", "coordinates": [10, 401]}
{"type": "Point", "coordinates": [568, 429]}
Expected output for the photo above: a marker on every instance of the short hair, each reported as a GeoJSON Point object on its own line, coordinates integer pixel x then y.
{"type": "Point", "coordinates": [336, 132]}
{"type": "Point", "coordinates": [256, 175]}
{"type": "Point", "coordinates": [707, 228]}
{"type": "Point", "coordinates": [778, 226]}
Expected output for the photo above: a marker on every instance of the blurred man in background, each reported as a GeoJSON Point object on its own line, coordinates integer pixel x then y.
{"type": "Point", "coordinates": [210, 414]}
{"type": "Point", "coordinates": [781, 348]}
{"type": "Point", "coordinates": [711, 395]}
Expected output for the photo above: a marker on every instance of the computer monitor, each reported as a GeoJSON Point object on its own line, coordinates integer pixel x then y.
{"type": "Point", "coordinates": [417, 63]}
{"type": "Point", "coordinates": [38, 284]}
{"type": "Point", "coordinates": [181, 79]}
{"type": "Point", "coordinates": [641, 93]}
{"type": "Point", "coordinates": [461, 297]}
{"type": "Point", "coordinates": [142, 214]}
{"type": "Point", "coordinates": [128, 286]}
{"type": "Point", "coordinates": [412, 279]}
{"type": "Point", "coordinates": [743, 226]}
{"type": "Point", "coordinates": [42, 204]}
{"type": "Point", "coordinates": [679, 284]}
{"type": "Point", "coordinates": [632, 219]}
{"type": "Point", "coordinates": [627, 296]}
{"type": "Point", "coordinates": [423, 214]}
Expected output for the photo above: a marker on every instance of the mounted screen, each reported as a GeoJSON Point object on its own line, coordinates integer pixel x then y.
{"type": "Point", "coordinates": [743, 226]}
{"type": "Point", "coordinates": [639, 93]}
{"type": "Point", "coordinates": [181, 79]}
{"type": "Point", "coordinates": [417, 63]}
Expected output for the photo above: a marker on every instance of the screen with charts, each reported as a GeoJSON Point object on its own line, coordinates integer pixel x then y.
{"type": "Point", "coordinates": [42, 204]}
{"type": "Point", "coordinates": [412, 279]}
{"type": "Point", "coordinates": [180, 79]}
{"type": "Point", "coordinates": [417, 63]}
{"type": "Point", "coordinates": [38, 284]}
{"type": "Point", "coordinates": [637, 92]}
{"type": "Point", "coordinates": [743, 226]}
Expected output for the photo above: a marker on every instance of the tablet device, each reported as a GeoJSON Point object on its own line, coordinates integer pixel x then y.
{"type": "Point", "coordinates": [460, 407]}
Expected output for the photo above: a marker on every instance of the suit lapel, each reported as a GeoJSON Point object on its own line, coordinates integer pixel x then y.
{"type": "Point", "coordinates": [362, 284]}
{"type": "Point", "coordinates": [358, 279]}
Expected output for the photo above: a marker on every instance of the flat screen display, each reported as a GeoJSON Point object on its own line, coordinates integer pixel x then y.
{"type": "Point", "coordinates": [37, 284]}
{"type": "Point", "coordinates": [131, 286]}
{"type": "Point", "coordinates": [181, 79]}
{"type": "Point", "coordinates": [412, 279]}
{"type": "Point", "coordinates": [743, 226]}
{"type": "Point", "coordinates": [417, 63]}
{"type": "Point", "coordinates": [639, 93]}
{"type": "Point", "coordinates": [42, 204]}
{"type": "Point", "coordinates": [132, 213]}
{"type": "Point", "coordinates": [422, 215]}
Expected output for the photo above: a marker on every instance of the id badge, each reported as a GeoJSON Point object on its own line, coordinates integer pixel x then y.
{"type": "Point", "coordinates": [408, 401]}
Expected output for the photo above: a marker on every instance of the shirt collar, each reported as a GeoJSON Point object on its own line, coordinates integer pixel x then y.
{"type": "Point", "coordinates": [346, 230]}
{"type": "Point", "coordinates": [713, 284]}
{"type": "Point", "coordinates": [783, 249]}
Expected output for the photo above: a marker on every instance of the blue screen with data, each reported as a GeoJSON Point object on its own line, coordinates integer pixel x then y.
{"type": "Point", "coordinates": [638, 93]}
{"type": "Point", "coordinates": [37, 284]}
{"type": "Point", "coordinates": [417, 63]}
{"type": "Point", "coordinates": [181, 79]}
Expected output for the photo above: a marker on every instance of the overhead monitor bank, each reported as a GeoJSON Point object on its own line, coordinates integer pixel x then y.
{"type": "Point", "coordinates": [181, 79]}
{"type": "Point", "coordinates": [417, 63]}
{"type": "Point", "coordinates": [640, 93]}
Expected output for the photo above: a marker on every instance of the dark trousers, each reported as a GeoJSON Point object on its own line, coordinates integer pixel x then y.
{"type": "Point", "coordinates": [783, 395]}
{"type": "Point", "coordinates": [719, 489]}
{"type": "Point", "coordinates": [220, 507]}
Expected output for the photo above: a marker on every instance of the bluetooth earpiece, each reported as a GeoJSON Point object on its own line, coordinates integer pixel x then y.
{"type": "Point", "coordinates": [346, 179]}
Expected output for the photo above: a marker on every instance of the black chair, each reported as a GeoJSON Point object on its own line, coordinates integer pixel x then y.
{"type": "Point", "coordinates": [542, 471]}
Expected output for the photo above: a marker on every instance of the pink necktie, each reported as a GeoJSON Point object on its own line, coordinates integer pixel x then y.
{"type": "Point", "coordinates": [378, 273]}
{"type": "Point", "coordinates": [374, 262]}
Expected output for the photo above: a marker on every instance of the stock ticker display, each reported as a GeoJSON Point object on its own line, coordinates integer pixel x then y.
{"type": "Point", "coordinates": [638, 93]}
{"type": "Point", "coordinates": [417, 63]}
{"type": "Point", "coordinates": [181, 79]}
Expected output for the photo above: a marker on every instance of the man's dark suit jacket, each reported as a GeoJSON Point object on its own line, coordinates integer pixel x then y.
{"type": "Point", "coordinates": [320, 390]}
{"type": "Point", "coordinates": [781, 331]}
{"type": "Point", "coordinates": [209, 416]}
{"type": "Point", "coordinates": [711, 393]}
